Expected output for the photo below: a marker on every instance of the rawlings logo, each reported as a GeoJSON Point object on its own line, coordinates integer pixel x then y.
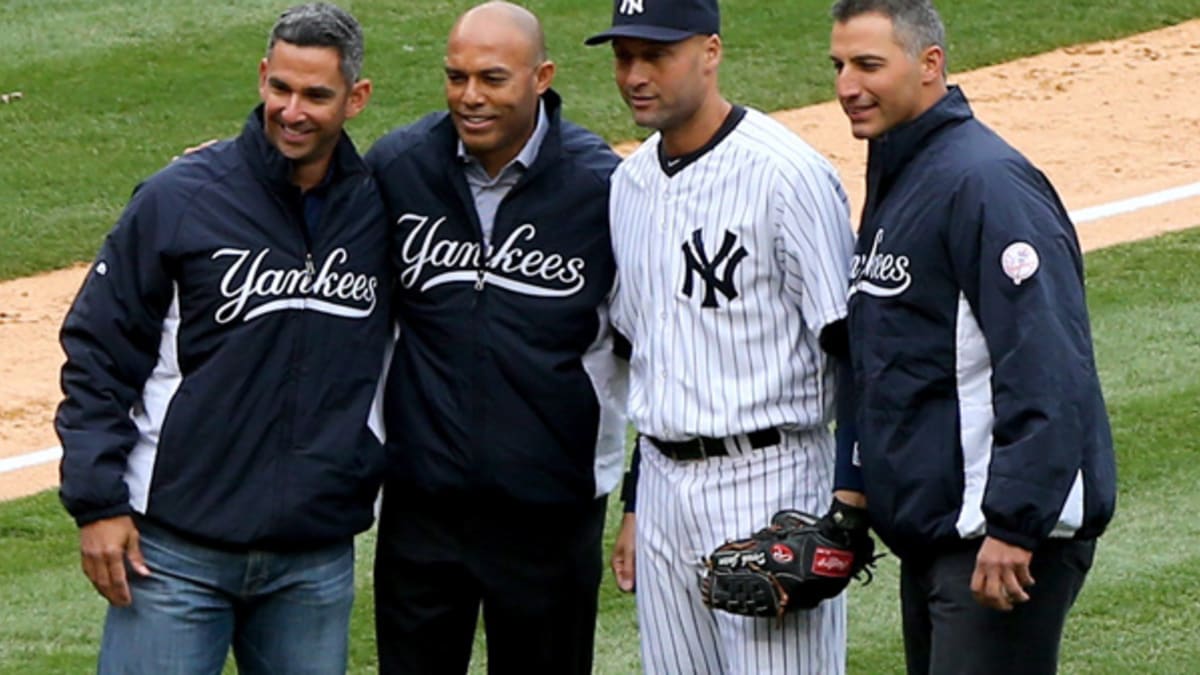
{"type": "Point", "coordinates": [781, 554]}
{"type": "Point", "coordinates": [828, 562]}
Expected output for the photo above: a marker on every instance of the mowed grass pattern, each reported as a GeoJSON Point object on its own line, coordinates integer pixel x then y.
{"type": "Point", "coordinates": [1137, 613]}
{"type": "Point", "coordinates": [113, 89]}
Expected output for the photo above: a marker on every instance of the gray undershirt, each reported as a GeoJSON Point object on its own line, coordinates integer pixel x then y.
{"type": "Point", "coordinates": [488, 192]}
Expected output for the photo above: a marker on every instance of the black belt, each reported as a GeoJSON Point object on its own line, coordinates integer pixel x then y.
{"type": "Point", "coordinates": [707, 446]}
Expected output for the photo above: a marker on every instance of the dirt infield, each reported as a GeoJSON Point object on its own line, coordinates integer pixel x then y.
{"type": "Point", "coordinates": [1106, 121]}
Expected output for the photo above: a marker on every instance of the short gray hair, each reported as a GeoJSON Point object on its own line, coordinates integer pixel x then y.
{"type": "Point", "coordinates": [916, 22]}
{"type": "Point", "coordinates": [320, 24]}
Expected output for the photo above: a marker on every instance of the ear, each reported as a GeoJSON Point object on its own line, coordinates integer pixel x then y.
{"type": "Point", "coordinates": [544, 76]}
{"type": "Point", "coordinates": [713, 50]}
{"type": "Point", "coordinates": [360, 94]}
{"type": "Point", "coordinates": [262, 79]}
{"type": "Point", "coordinates": [933, 64]}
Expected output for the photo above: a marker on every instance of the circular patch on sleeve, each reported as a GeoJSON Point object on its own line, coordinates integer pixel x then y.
{"type": "Point", "coordinates": [102, 268]}
{"type": "Point", "coordinates": [1019, 261]}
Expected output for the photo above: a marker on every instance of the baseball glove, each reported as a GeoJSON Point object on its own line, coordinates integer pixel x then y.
{"type": "Point", "coordinates": [794, 563]}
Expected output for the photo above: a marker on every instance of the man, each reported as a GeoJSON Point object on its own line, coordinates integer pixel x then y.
{"type": "Point", "coordinates": [985, 448]}
{"type": "Point", "coordinates": [221, 442]}
{"type": "Point", "coordinates": [732, 239]}
{"type": "Point", "coordinates": [503, 443]}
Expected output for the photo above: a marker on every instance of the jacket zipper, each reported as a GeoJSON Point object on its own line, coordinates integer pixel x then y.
{"type": "Point", "coordinates": [294, 213]}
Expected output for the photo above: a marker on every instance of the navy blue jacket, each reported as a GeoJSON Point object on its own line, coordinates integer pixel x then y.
{"type": "Point", "coordinates": [503, 360]}
{"type": "Point", "coordinates": [980, 410]}
{"type": "Point", "coordinates": [222, 368]}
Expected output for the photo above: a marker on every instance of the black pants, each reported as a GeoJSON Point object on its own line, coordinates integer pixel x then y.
{"type": "Point", "coordinates": [946, 632]}
{"type": "Point", "coordinates": [535, 570]}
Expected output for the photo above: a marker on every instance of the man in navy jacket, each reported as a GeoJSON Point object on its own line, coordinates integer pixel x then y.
{"type": "Point", "coordinates": [502, 440]}
{"type": "Point", "coordinates": [985, 453]}
{"type": "Point", "coordinates": [222, 426]}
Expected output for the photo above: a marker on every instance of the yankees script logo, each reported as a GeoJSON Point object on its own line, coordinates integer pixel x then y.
{"type": "Point", "coordinates": [528, 271]}
{"type": "Point", "coordinates": [696, 262]}
{"type": "Point", "coordinates": [340, 293]}
{"type": "Point", "coordinates": [880, 275]}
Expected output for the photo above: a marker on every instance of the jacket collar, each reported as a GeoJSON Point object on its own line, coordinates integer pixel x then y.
{"type": "Point", "coordinates": [529, 152]}
{"type": "Point", "coordinates": [547, 154]}
{"type": "Point", "coordinates": [894, 149]}
{"type": "Point", "coordinates": [270, 164]}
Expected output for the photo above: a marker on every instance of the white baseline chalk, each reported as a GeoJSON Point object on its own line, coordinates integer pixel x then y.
{"type": "Point", "coordinates": [1132, 204]}
{"type": "Point", "coordinates": [19, 462]}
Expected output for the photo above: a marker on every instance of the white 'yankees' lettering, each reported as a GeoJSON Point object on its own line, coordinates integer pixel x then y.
{"type": "Point", "coordinates": [459, 261]}
{"type": "Point", "coordinates": [884, 276]}
{"type": "Point", "coordinates": [292, 288]}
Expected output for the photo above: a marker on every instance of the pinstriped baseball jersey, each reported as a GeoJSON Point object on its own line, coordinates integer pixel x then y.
{"type": "Point", "coordinates": [730, 261]}
{"type": "Point", "coordinates": [727, 271]}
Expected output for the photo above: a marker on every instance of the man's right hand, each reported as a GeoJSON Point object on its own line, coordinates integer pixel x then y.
{"type": "Point", "coordinates": [196, 148]}
{"type": "Point", "coordinates": [104, 546]}
{"type": "Point", "coordinates": [623, 562]}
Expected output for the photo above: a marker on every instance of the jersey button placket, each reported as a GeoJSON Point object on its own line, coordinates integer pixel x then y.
{"type": "Point", "coordinates": [665, 226]}
{"type": "Point", "coordinates": [666, 205]}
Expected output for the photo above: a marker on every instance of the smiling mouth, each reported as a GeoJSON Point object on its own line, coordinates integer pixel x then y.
{"type": "Point", "coordinates": [293, 134]}
{"type": "Point", "coordinates": [858, 112]}
{"type": "Point", "coordinates": [476, 122]}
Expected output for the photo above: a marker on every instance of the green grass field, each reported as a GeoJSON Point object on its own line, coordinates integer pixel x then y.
{"type": "Point", "coordinates": [1137, 613]}
{"type": "Point", "coordinates": [112, 89]}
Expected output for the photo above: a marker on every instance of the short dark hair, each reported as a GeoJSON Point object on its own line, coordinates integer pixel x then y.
{"type": "Point", "coordinates": [321, 24]}
{"type": "Point", "coordinates": [916, 22]}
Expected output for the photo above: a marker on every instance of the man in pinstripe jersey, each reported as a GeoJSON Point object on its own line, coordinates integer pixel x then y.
{"type": "Point", "coordinates": [732, 241]}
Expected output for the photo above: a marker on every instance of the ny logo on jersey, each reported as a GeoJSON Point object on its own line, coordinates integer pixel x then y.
{"type": "Point", "coordinates": [696, 261]}
{"type": "Point", "coordinates": [631, 7]}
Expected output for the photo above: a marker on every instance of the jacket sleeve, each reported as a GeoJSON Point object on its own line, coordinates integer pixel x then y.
{"type": "Point", "coordinates": [111, 338]}
{"type": "Point", "coordinates": [1016, 258]}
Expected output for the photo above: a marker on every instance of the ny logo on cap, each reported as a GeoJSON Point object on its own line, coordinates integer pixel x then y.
{"type": "Point", "coordinates": [631, 7]}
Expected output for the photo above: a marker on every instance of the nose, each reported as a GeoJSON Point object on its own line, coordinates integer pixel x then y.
{"type": "Point", "coordinates": [632, 74]}
{"type": "Point", "coordinates": [846, 84]}
{"type": "Point", "coordinates": [472, 93]}
{"type": "Point", "coordinates": [292, 110]}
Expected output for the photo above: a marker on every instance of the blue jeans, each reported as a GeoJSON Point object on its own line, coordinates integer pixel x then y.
{"type": "Point", "coordinates": [280, 612]}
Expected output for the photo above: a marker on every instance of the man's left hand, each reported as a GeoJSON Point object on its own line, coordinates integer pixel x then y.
{"type": "Point", "coordinates": [1001, 575]}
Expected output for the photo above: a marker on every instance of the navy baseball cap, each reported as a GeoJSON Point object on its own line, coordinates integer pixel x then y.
{"type": "Point", "coordinates": [661, 20]}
